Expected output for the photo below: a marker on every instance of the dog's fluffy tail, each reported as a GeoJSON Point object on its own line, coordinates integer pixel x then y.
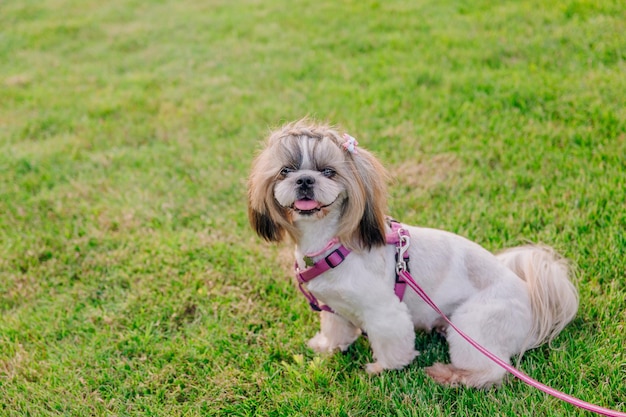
{"type": "Point", "coordinates": [553, 297]}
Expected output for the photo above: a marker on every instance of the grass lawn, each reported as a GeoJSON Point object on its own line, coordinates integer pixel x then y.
{"type": "Point", "coordinates": [130, 281]}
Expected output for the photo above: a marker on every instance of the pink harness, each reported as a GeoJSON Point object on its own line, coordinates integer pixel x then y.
{"type": "Point", "coordinates": [400, 237]}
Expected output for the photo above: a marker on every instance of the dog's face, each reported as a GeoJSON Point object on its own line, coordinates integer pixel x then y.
{"type": "Point", "coordinates": [311, 181]}
{"type": "Point", "coordinates": [304, 174]}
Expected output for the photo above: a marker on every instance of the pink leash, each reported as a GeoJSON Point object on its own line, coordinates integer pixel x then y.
{"type": "Point", "coordinates": [517, 373]}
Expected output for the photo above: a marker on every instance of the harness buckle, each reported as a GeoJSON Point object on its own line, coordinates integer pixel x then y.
{"type": "Point", "coordinates": [401, 248]}
{"type": "Point", "coordinates": [335, 258]}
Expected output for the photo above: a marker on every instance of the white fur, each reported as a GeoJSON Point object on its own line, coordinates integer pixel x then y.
{"type": "Point", "coordinates": [507, 303]}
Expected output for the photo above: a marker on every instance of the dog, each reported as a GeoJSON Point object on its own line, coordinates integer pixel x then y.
{"type": "Point", "coordinates": [321, 189]}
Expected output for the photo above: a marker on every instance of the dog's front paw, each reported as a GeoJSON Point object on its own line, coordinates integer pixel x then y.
{"type": "Point", "coordinates": [374, 368]}
{"type": "Point", "coordinates": [379, 366]}
{"type": "Point", "coordinates": [320, 344]}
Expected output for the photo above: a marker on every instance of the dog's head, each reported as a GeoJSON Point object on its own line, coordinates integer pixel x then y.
{"type": "Point", "coordinates": [307, 171]}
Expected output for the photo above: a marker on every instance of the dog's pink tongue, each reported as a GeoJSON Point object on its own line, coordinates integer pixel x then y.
{"type": "Point", "coordinates": [305, 204]}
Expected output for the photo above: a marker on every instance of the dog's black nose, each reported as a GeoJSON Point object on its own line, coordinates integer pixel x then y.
{"type": "Point", "coordinates": [305, 181]}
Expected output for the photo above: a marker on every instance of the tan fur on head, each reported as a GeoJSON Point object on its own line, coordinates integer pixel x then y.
{"type": "Point", "coordinates": [361, 176]}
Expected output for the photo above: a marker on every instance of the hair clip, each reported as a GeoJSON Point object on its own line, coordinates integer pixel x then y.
{"type": "Point", "coordinates": [350, 144]}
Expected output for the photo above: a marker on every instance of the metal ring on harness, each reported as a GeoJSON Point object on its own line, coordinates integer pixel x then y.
{"type": "Point", "coordinates": [401, 248]}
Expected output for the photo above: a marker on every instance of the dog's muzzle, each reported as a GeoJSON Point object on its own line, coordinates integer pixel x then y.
{"type": "Point", "coordinates": [305, 188]}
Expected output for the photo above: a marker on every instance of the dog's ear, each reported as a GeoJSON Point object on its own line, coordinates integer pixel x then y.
{"type": "Point", "coordinates": [365, 208]}
{"type": "Point", "coordinates": [266, 217]}
{"type": "Point", "coordinates": [265, 227]}
{"type": "Point", "coordinates": [371, 231]}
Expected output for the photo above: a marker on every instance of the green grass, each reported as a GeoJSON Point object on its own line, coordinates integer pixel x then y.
{"type": "Point", "coordinates": [130, 281]}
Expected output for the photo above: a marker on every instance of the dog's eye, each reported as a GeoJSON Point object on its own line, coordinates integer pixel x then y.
{"type": "Point", "coordinates": [286, 170]}
{"type": "Point", "coordinates": [328, 172]}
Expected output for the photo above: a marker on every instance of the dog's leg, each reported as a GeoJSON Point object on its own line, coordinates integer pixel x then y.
{"type": "Point", "coordinates": [441, 327]}
{"type": "Point", "coordinates": [392, 338]}
{"type": "Point", "coordinates": [500, 326]}
{"type": "Point", "coordinates": [335, 333]}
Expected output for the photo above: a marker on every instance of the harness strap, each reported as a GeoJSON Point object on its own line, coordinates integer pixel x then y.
{"type": "Point", "coordinates": [398, 237]}
{"type": "Point", "coordinates": [332, 260]}
{"type": "Point", "coordinates": [315, 305]}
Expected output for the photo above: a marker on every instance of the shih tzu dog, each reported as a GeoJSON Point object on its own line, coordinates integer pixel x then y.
{"type": "Point", "coordinates": [328, 195]}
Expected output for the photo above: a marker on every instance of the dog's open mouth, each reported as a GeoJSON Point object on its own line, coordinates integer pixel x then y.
{"type": "Point", "coordinates": [307, 206]}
